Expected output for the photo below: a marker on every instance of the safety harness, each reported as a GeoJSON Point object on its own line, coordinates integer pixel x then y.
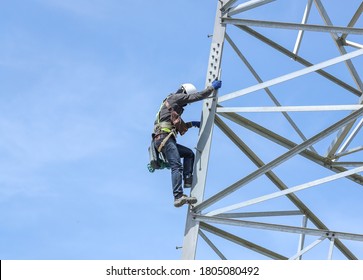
{"type": "Point", "coordinates": [176, 124]}
{"type": "Point", "coordinates": [164, 127]}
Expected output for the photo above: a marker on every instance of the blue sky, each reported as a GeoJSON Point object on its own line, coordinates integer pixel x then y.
{"type": "Point", "coordinates": [80, 84]}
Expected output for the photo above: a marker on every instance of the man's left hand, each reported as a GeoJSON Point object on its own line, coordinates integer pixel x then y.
{"type": "Point", "coordinates": [193, 124]}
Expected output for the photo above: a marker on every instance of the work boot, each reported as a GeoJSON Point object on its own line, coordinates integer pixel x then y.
{"type": "Point", "coordinates": [188, 180]}
{"type": "Point", "coordinates": [178, 202]}
{"type": "Point", "coordinates": [191, 199]}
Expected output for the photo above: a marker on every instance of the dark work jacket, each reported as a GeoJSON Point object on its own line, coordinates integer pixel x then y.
{"type": "Point", "coordinates": [178, 100]}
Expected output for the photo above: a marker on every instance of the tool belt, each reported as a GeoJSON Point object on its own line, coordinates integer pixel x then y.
{"type": "Point", "coordinates": [178, 122]}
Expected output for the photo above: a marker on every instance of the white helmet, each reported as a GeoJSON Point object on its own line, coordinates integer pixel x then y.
{"type": "Point", "coordinates": [189, 88]}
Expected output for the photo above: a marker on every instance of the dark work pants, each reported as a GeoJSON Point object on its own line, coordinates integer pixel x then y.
{"type": "Point", "coordinates": [173, 153]}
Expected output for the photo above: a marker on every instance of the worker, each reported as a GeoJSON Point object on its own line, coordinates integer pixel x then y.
{"type": "Point", "coordinates": [167, 124]}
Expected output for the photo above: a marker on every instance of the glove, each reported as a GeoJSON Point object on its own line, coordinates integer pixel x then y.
{"type": "Point", "coordinates": [216, 84]}
{"type": "Point", "coordinates": [195, 124]}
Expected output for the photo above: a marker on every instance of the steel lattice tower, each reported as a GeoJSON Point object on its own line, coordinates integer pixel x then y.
{"type": "Point", "coordinates": [281, 141]}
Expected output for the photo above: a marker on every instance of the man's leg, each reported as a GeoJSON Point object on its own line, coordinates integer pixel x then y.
{"type": "Point", "coordinates": [171, 153]}
{"type": "Point", "coordinates": [188, 164]}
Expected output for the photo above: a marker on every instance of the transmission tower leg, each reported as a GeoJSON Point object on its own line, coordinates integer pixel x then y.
{"type": "Point", "coordinates": [205, 136]}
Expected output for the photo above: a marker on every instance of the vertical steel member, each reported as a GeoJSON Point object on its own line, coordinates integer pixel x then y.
{"type": "Point", "coordinates": [205, 135]}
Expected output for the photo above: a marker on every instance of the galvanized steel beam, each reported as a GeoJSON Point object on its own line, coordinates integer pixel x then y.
{"type": "Point", "coordinates": [282, 228]}
{"type": "Point", "coordinates": [274, 163]}
{"type": "Point", "coordinates": [197, 220]}
{"type": "Point", "coordinates": [242, 242]}
{"type": "Point", "coordinates": [290, 76]}
{"type": "Point", "coordinates": [301, 32]}
{"type": "Point", "coordinates": [292, 26]}
{"type": "Point", "coordinates": [285, 192]}
{"type": "Point", "coordinates": [205, 136]}
{"type": "Point", "coordinates": [248, 6]}
{"type": "Point", "coordinates": [299, 59]}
